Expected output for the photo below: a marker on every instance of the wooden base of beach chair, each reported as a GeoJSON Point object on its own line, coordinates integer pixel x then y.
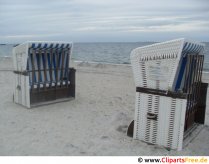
{"type": "Point", "coordinates": [49, 94]}
{"type": "Point", "coordinates": [54, 94]}
{"type": "Point", "coordinates": [51, 102]}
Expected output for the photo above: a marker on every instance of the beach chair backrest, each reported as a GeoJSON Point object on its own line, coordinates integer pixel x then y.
{"type": "Point", "coordinates": [163, 65]}
{"type": "Point", "coordinates": [48, 62]}
{"type": "Point", "coordinates": [45, 62]}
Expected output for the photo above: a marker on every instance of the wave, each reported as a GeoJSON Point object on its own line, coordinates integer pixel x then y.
{"type": "Point", "coordinates": [9, 57]}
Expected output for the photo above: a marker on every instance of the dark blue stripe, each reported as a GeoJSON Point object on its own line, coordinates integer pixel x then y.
{"type": "Point", "coordinates": [189, 47]}
{"type": "Point", "coordinates": [66, 65]}
{"type": "Point", "coordinates": [45, 46]}
{"type": "Point", "coordinates": [195, 48]}
{"type": "Point", "coordinates": [185, 45]}
{"type": "Point", "coordinates": [27, 64]}
{"type": "Point", "coordinates": [199, 49]}
{"type": "Point", "coordinates": [56, 47]}
{"type": "Point", "coordinates": [38, 63]}
{"type": "Point", "coordinates": [189, 74]}
{"type": "Point", "coordinates": [44, 64]}
{"type": "Point", "coordinates": [39, 45]}
{"type": "Point", "coordinates": [54, 63]}
{"type": "Point", "coordinates": [28, 69]}
{"type": "Point", "coordinates": [48, 57]}
{"type": "Point", "coordinates": [51, 45]}
{"type": "Point", "coordinates": [34, 66]}
{"type": "Point", "coordinates": [181, 73]}
{"type": "Point", "coordinates": [33, 45]}
{"type": "Point", "coordinates": [62, 71]}
{"type": "Point", "coordinates": [59, 65]}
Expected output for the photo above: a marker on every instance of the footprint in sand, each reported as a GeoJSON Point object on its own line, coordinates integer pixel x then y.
{"type": "Point", "coordinates": [122, 128]}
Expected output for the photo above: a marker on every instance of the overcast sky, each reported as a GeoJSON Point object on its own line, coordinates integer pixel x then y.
{"type": "Point", "coordinates": [103, 20]}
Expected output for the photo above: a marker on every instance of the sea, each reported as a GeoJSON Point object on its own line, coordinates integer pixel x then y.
{"type": "Point", "coordinates": [113, 53]}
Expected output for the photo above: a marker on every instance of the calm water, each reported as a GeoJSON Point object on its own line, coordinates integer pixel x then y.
{"type": "Point", "coordinates": [117, 53]}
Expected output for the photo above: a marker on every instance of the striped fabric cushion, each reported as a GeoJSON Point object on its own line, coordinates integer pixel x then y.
{"type": "Point", "coordinates": [48, 63]}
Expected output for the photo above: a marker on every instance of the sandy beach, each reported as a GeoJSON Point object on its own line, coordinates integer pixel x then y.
{"type": "Point", "coordinates": [94, 124]}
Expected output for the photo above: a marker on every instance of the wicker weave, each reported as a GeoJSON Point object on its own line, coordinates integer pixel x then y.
{"type": "Point", "coordinates": [162, 102]}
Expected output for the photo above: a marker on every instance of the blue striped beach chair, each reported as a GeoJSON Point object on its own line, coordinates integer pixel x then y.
{"type": "Point", "coordinates": [168, 87]}
{"type": "Point", "coordinates": [42, 73]}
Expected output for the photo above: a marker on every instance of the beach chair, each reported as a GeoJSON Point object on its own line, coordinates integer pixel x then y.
{"type": "Point", "coordinates": [168, 87]}
{"type": "Point", "coordinates": [42, 73]}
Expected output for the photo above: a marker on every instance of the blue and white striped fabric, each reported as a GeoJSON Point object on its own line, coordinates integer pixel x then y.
{"type": "Point", "coordinates": [189, 48]}
{"type": "Point", "coordinates": [49, 62]}
{"type": "Point", "coordinates": [48, 46]}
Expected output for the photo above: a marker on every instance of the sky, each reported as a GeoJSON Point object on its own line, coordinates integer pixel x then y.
{"type": "Point", "coordinates": [103, 20]}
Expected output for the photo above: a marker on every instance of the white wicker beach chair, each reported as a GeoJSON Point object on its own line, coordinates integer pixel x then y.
{"type": "Point", "coordinates": [167, 78]}
{"type": "Point", "coordinates": [42, 73]}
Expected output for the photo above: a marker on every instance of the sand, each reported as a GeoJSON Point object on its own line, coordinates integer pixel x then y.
{"type": "Point", "coordinates": [94, 124]}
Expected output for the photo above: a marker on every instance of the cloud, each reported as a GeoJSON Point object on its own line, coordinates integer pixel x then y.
{"type": "Point", "coordinates": [30, 36]}
{"type": "Point", "coordinates": [52, 19]}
